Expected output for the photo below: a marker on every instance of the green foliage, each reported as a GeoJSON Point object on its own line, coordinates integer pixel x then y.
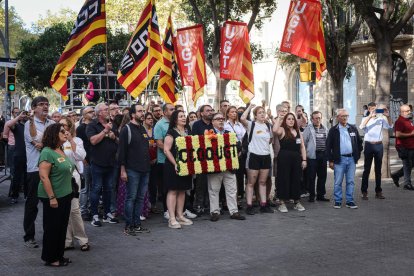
{"type": "Point", "coordinates": [63, 16]}
{"type": "Point", "coordinates": [39, 56]}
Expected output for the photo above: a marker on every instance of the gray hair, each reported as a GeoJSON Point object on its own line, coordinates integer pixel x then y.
{"type": "Point", "coordinates": [340, 110]}
{"type": "Point", "coordinates": [98, 108]}
{"type": "Point", "coordinates": [279, 107]}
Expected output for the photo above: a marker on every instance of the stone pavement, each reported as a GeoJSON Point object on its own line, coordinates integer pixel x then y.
{"type": "Point", "coordinates": [376, 239]}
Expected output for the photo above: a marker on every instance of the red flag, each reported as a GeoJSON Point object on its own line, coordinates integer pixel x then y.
{"type": "Point", "coordinates": [303, 35]}
{"type": "Point", "coordinates": [236, 57]}
{"type": "Point", "coordinates": [189, 47]}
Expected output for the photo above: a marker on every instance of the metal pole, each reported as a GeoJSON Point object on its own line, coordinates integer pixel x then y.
{"type": "Point", "coordinates": [7, 52]}
{"type": "Point", "coordinates": [273, 83]}
{"type": "Point", "coordinates": [311, 96]}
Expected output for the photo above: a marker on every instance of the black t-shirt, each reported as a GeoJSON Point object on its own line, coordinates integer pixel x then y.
{"type": "Point", "coordinates": [134, 155]}
{"type": "Point", "coordinates": [199, 127]}
{"type": "Point", "coordinates": [103, 153]}
{"type": "Point", "coordinates": [81, 133]}
{"type": "Point", "coordinates": [20, 146]}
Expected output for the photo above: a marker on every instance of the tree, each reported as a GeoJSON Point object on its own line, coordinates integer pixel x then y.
{"type": "Point", "coordinates": [211, 14]}
{"type": "Point", "coordinates": [384, 24]}
{"type": "Point", "coordinates": [39, 56]}
{"type": "Point", "coordinates": [340, 31]}
{"type": "Point", "coordinates": [63, 16]}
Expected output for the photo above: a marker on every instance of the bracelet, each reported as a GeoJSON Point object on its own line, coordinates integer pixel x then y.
{"type": "Point", "coordinates": [52, 197]}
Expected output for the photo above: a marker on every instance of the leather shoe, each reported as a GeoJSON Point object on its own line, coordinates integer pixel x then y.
{"type": "Point", "coordinates": [323, 199]}
{"type": "Point", "coordinates": [379, 195]}
{"type": "Point", "coordinates": [214, 217]}
{"type": "Point", "coordinates": [237, 216]}
{"type": "Point", "coordinates": [395, 179]}
{"type": "Point", "coordinates": [409, 187]}
{"type": "Point", "coordinates": [365, 196]}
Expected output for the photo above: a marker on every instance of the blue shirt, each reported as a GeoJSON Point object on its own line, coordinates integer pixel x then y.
{"type": "Point", "coordinates": [345, 143]}
{"type": "Point", "coordinates": [160, 131]}
{"type": "Point", "coordinates": [199, 127]}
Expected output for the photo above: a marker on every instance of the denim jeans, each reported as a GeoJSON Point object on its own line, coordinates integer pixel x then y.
{"type": "Point", "coordinates": [114, 193]}
{"type": "Point", "coordinates": [136, 187]}
{"type": "Point", "coordinates": [346, 167]}
{"type": "Point", "coordinates": [408, 166]}
{"type": "Point", "coordinates": [102, 179]}
{"type": "Point", "coordinates": [372, 151]}
{"type": "Point", "coordinates": [84, 193]}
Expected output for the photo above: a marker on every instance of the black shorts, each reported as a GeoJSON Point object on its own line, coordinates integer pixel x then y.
{"type": "Point", "coordinates": [258, 162]}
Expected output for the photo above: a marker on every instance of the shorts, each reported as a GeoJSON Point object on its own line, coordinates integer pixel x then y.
{"type": "Point", "coordinates": [258, 162]}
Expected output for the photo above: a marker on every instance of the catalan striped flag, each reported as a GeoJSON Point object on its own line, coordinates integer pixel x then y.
{"type": "Point", "coordinates": [167, 83]}
{"type": "Point", "coordinates": [191, 59]}
{"type": "Point", "coordinates": [143, 56]}
{"type": "Point", "coordinates": [89, 30]}
{"type": "Point", "coordinates": [303, 35]}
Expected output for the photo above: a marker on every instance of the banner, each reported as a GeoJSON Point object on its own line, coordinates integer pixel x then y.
{"type": "Point", "coordinates": [303, 35]}
{"type": "Point", "coordinates": [189, 47]}
{"type": "Point", "coordinates": [168, 81]}
{"type": "Point", "coordinates": [236, 57]}
{"type": "Point", "coordinates": [207, 153]}
{"type": "Point", "coordinates": [89, 30]}
{"type": "Point", "coordinates": [143, 56]}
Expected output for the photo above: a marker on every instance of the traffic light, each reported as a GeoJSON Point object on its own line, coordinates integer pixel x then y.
{"type": "Point", "coordinates": [307, 72]}
{"type": "Point", "coordinates": [11, 79]}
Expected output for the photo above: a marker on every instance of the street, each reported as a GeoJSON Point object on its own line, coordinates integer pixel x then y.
{"type": "Point", "coordinates": [375, 239]}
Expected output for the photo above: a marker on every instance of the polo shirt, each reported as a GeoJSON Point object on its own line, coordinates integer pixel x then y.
{"type": "Point", "coordinates": [160, 131]}
{"type": "Point", "coordinates": [404, 125]}
{"type": "Point", "coordinates": [103, 153]}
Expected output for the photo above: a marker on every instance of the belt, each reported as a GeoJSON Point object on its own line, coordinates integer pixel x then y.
{"type": "Point", "coordinates": [374, 143]}
{"type": "Point", "coordinates": [347, 155]}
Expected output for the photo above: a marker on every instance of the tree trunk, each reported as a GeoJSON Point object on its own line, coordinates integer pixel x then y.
{"type": "Point", "coordinates": [384, 67]}
{"type": "Point", "coordinates": [338, 94]}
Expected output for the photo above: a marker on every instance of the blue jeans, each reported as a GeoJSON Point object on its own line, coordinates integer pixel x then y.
{"type": "Point", "coordinates": [136, 187]}
{"type": "Point", "coordinates": [84, 193]}
{"type": "Point", "coordinates": [345, 168]}
{"type": "Point", "coordinates": [102, 178]}
{"type": "Point", "coordinates": [114, 193]}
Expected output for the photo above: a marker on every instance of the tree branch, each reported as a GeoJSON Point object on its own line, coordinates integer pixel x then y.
{"type": "Point", "coordinates": [386, 15]}
{"type": "Point", "coordinates": [402, 22]}
{"type": "Point", "coordinates": [255, 12]}
{"type": "Point", "coordinates": [226, 10]}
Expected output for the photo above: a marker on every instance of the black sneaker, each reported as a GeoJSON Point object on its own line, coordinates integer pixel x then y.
{"type": "Point", "coordinates": [31, 244]}
{"type": "Point", "coordinates": [110, 219]}
{"type": "Point", "coordinates": [129, 231]}
{"type": "Point", "coordinates": [351, 205]}
{"type": "Point", "coordinates": [250, 210]}
{"type": "Point", "coordinates": [96, 222]}
{"type": "Point", "coordinates": [140, 229]}
{"type": "Point", "coordinates": [396, 180]}
{"type": "Point", "coordinates": [266, 209]}
{"type": "Point", "coordinates": [199, 211]}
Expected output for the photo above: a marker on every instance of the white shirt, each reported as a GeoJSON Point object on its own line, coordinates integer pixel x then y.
{"type": "Point", "coordinates": [260, 141]}
{"type": "Point", "coordinates": [373, 129]}
{"type": "Point", "coordinates": [236, 128]}
{"type": "Point", "coordinates": [78, 156]}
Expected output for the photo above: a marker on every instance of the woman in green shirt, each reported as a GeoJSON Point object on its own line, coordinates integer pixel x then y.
{"type": "Point", "coordinates": [55, 192]}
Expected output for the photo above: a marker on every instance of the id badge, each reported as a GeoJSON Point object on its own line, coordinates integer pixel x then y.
{"type": "Point", "coordinates": [319, 135]}
{"type": "Point", "coordinates": [298, 141]}
{"type": "Point", "coordinates": [352, 134]}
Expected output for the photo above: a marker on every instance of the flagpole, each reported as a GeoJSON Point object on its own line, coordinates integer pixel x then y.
{"type": "Point", "coordinates": [273, 84]}
{"type": "Point", "coordinates": [185, 99]}
{"type": "Point", "coordinates": [106, 69]}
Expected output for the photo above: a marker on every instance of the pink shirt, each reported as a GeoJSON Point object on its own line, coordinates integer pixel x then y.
{"type": "Point", "coordinates": [8, 134]}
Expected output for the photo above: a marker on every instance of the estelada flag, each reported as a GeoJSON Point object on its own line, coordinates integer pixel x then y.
{"type": "Point", "coordinates": [303, 35]}
{"type": "Point", "coordinates": [189, 47]}
{"type": "Point", "coordinates": [168, 81]}
{"type": "Point", "coordinates": [143, 56]}
{"type": "Point", "coordinates": [236, 57]}
{"type": "Point", "coordinates": [89, 30]}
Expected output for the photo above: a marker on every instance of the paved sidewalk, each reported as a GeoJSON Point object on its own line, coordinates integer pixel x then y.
{"type": "Point", "coordinates": [376, 239]}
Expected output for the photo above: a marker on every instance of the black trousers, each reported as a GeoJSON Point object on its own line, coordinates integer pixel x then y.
{"type": "Point", "coordinates": [156, 184]}
{"type": "Point", "coordinates": [30, 207]}
{"type": "Point", "coordinates": [317, 167]}
{"type": "Point", "coordinates": [289, 172]}
{"type": "Point", "coordinates": [55, 224]}
{"type": "Point", "coordinates": [19, 179]}
{"type": "Point", "coordinates": [372, 151]}
{"type": "Point", "coordinates": [241, 175]}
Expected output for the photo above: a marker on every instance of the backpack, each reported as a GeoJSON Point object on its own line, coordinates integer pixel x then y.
{"type": "Point", "coordinates": [248, 138]}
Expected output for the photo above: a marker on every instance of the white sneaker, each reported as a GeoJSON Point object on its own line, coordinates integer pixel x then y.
{"type": "Point", "coordinates": [299, 207]}
{"type": "Point", "coordinates": [142, 218]}
{"type": "Point", "coordinates": [282, 208]}
{"type": "Point", "coordinates": [166, 215]}
{"type": "Point", "coordinates": [189, 215]}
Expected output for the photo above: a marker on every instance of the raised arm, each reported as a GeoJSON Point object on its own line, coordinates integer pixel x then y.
{"type": "Point", "coordinates": [243, 118]}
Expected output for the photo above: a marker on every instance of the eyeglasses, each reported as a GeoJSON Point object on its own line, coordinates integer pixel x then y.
{"type": "Point", "coordinates": [43, 104]}
{"type": "Point", "coordinates": [344, 116]}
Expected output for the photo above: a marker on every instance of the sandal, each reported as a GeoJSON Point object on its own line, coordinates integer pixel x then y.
{"type": "Point", "coordinates": [61, 263]}
{"type": "Point", "coordinates": [85, 247]}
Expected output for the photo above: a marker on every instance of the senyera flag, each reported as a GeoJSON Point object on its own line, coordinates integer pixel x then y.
{"type": "Point", "coordinates": [303, 35]}
{"type": "Point", "coordinates": [143, 56]}
{"type": "Point", "coordinates": [89, 30]}
{"type": "Point", "coordinates": [189, 47]}
{"type": "Point", "coordinates": [168, 81]}
{"type": "Point", "coordinates": [236, 57]}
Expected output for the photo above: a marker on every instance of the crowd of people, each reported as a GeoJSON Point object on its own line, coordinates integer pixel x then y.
{"type": "Point", "coordinates": [106, 164]}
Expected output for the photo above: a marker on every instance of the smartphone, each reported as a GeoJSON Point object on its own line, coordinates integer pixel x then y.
{"type": "Point", "coordinates": [379, 111]}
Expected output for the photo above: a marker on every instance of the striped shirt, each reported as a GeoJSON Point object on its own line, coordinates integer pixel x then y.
{"type": "Point", "coordinates": [320, 138]}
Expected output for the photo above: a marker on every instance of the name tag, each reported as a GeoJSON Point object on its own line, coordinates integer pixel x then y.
{"type": "Point", "coordinates": [319, 135]}
{"type": "Point", "coordinates": [259, 131]}
{"type": "Point", "coordinates": [352, 134]}
{"type": "Point", "coordinates": [61, 159]}
{"type": "Point", "coordinates": [298, 141]}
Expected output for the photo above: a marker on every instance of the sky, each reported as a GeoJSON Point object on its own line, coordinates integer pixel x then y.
{"type": "Point", "coordinates": [30, 10]}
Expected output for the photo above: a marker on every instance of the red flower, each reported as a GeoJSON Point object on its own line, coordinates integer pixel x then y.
{"type": "Point", "coordinates": [190, 157]}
